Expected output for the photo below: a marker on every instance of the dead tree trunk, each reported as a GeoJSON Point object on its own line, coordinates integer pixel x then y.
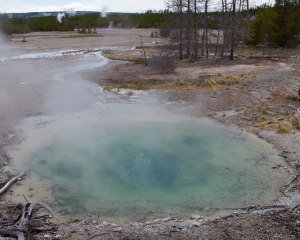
{"type": "Point", "coordinates": [145, 57]}
{"type": "Point", "coordinates": [195, 29]}
{"type": "Point", "coordinates": [233, 30]}
{"type": "Point", "coordinates": [224, 29]}
{"type": "Point", "coordinates": [188, 29]}
{"type": "Point", "coordinates": [206, 28]}
{"type": "Point", "coordinates": [180, 30]}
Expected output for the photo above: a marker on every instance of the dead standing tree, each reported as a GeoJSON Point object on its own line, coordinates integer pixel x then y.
{"type": "Point", "coordinates": [181, 34]}
{"type": "Point", "coordinates": [181, 31]}
{"type": "Point", "coordinates": [233, 26]}
{"type": "Point", "coordinates": [232, 30]}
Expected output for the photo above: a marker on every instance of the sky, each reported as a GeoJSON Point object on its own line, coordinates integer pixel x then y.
{"type": "Point", "coordinates": [15, 6]}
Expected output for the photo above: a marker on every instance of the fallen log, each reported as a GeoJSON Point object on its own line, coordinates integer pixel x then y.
{"type": "Point", "coordinates": [10, 182]}
{"type": "Point", "coordinates": [17, 234]}
{"type": "Point", "coordinates": [21, 220]}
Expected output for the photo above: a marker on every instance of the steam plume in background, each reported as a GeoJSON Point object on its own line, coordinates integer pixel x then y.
{"type": "Point", "coordinates": [60, 16]}
{"type": "Point", "coordinates": [104, 11]}
{"type": "Point", "coordinates": [70, 11]}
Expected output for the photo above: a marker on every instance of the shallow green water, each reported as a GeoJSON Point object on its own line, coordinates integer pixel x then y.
{"type": "Point", "coordinates": [162, 166]}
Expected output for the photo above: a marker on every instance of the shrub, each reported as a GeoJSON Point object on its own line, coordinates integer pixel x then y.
{"type": "Point", "coordinates": [163, 60]}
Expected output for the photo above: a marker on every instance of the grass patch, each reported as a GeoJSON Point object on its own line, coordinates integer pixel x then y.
{"type": "Point", "coordinates": [139, 61]}
{"type": "Point", "coordinates": [278, 91]}
{"type": "Point", "coordinates": [295, 120]}
{"type": "Point", "coordinates": [262, 125]}
{"type": "Point", "coordinates": [284, 127]}
{"type": "Point", "coordinates": [225, 79]}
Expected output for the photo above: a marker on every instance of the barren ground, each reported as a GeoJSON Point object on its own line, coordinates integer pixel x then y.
{"type": "Point", "coordinates": [254, 94]}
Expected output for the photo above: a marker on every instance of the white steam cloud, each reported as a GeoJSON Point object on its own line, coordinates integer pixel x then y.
{"type": "Point", "coordinates": [60, 16]}
{"type": "Point", "coordinates": [104, 11]}
{"type": "Point", "coordinates": [70, 11]}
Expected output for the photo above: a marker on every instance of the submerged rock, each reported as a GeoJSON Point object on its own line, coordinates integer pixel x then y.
{"type": "Point", "coordinates": [195, 217]}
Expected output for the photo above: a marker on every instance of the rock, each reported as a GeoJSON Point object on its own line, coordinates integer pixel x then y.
{"type": "Point", "coordinates": [156, 221]}
{"type": "Point", "coordinates": [195, 217]}
{"type": "Point", "coordinates": [119, 229]}
{"type": "Point", "coordinates": [197, 224]}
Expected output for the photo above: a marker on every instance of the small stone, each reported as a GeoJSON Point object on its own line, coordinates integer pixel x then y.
{"type": "Point", "coordinates": [195, 217]}
{"type": "Point", "coordinates": [156, 221]}
{"type": "Point", "coordinates": [119, 229]}
{"type": "Point", "coordinates": [47, 236]}
{"type": "Point", "coordinates": [197, 224]}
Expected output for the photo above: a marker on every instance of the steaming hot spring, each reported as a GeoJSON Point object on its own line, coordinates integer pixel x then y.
{"type": "Point", "coordinates": [129, 159]}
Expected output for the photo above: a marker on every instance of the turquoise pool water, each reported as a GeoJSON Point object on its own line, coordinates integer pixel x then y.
{"type": "Point", "coordinates": [164, 165]}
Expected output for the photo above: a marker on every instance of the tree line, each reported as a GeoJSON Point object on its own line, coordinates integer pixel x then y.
{"type": "Point", "coordinates": [198, 27]}
{"type": "Point", "coordinates": [149, 19]}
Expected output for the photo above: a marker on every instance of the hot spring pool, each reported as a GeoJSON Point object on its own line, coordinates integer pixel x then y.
{"type": "Point", "coordinates": [156, 165]}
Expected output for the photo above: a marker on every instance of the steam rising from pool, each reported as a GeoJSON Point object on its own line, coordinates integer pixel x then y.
{"type": "Point", "coordinates": [135, 163]}
{"type": "Point", "coordinates": [124, 157]}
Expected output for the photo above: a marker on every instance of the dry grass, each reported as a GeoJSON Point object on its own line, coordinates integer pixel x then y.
{"type": "Point", "coordinates": [179, 84]}
{"type": "Point", "coordinates": [126, 55]}
{"type": "Point", "coordinates": [295, 120]}
{"type": "Point", "coordinates": [284, 127]}
{"type": "Point", "coordinates": [278, 91]}
{"type": "Point", "coordinates": [225, 79]}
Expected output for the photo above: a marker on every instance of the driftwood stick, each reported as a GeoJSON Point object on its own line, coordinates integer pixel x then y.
{"type": "Point", "coordinates": [43, 229]}
{"type": "Point", "coordinates": [17, 234]}
{"type": "Point", "coordinates": [293, 180]}
{"type": "Point", "coordinates": [35, 207]}
{"type": "Point", "coordinates": [7, 185]}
